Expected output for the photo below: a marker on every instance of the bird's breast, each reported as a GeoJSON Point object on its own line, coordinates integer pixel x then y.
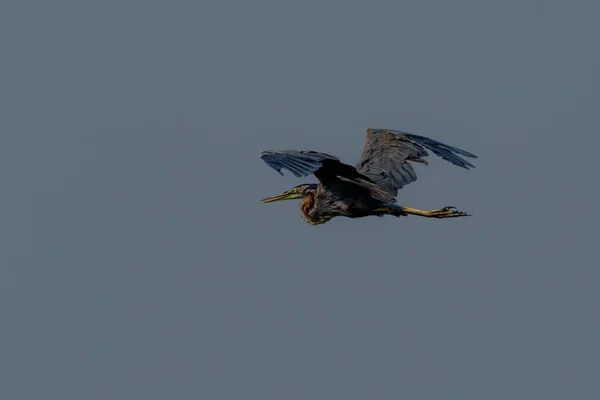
{"type": "Point", "coordinates": [313, 210]}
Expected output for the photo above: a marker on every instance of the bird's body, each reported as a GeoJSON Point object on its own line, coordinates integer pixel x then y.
{"type": "Point", "coordinates": [322, 204]}
{"type": "Point", "coordinates": [370, 187]}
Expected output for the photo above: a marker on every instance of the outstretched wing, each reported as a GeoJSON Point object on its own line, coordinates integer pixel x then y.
{"type": "Point", "coordinates": [327, 168]}
{"type": "Point", "coordinates": [387, 155]}
{"type": "Point", "coordinates": [298, 162]}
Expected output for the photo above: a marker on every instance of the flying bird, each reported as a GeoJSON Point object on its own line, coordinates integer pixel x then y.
{"type": "Point", "coordinates": [368, 188]}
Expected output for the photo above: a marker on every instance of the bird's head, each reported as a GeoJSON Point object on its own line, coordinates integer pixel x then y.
{"type": "Point", "coordinates": [297, 192]}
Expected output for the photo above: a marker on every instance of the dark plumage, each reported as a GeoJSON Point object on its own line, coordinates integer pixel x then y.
{"type": "Point", "coordinates": [368, 188]}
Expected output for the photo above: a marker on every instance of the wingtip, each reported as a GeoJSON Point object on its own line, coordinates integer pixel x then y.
{"type": "Point", "coordinates": [467, 153]}
{"type": "Point", "coordinates": [263, 153]}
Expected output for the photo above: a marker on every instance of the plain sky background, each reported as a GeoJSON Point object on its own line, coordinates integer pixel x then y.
{"type": "Point", "coordinates": [137, 261]}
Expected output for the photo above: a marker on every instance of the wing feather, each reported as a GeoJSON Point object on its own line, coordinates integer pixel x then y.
{"type": "Point", "coordinates": [298, 162]}
{"type": "Point", "coordinates": [327, 168]}
{"type": "Point", "coordinates": [387, 155]}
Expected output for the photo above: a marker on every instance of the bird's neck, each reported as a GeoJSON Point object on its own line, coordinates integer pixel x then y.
{"type": "Point", "coordinates": [310, 212]}
{"type": "Point", "coordinates": [307, 204]}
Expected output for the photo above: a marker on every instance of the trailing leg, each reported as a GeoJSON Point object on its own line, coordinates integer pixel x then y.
{"type": "Point", "coordinates": [446, 212]}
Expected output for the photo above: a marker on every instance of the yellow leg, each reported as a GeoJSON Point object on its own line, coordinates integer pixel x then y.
{"type": "Point", "coordinates": [446, 212]}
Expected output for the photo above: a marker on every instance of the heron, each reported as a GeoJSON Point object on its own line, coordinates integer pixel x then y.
{"type": "Point", "coordinates": [370, 187]}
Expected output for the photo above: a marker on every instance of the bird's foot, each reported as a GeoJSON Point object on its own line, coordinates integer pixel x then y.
{"type": "Point", "coordinates": [447, 212]}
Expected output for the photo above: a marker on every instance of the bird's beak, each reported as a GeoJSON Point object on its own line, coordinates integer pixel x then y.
{"type": "Point", "coordinates": [283, 196]}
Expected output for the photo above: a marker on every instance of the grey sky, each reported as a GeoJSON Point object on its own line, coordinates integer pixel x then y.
{"type": "Point", "coordinates": [137, 262]}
